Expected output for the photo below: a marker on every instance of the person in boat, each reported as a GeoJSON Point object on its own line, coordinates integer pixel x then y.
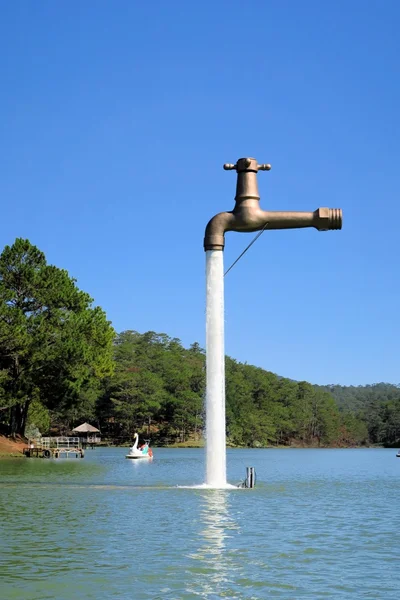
{"type": "Point", "coordinates": [145, 448]}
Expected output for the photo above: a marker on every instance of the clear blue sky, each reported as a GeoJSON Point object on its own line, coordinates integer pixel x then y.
{"type": "Point", "coordinates": [116, 119]}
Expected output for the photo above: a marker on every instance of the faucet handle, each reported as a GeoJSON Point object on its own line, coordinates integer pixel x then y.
{"type": "Point", "coordinates": [247, 163]}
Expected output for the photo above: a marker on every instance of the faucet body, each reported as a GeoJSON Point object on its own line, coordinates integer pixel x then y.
{"type": "Point", "coordinates": [248, 216]}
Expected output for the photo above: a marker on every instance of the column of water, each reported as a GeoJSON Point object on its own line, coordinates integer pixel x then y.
{"type": "Point", "coordinates": [215, 369]}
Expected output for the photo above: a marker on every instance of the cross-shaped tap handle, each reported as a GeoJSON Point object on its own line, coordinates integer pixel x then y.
{"type": "Point", "coordinates": [247, 163]}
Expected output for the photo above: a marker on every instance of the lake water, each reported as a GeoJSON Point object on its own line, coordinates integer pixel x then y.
{"type": "Point", "coordinates": [319, 524]}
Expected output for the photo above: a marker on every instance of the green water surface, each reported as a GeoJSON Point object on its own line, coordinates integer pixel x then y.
{"type": "Point", "coordinates": [319, 524]}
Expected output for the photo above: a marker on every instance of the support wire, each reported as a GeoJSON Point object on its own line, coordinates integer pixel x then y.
{"type": "Point", "coordinates": [245, 250]}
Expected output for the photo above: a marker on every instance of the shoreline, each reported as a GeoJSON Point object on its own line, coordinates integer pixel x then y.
{"type": "Point", "coordinates": [13, 448]}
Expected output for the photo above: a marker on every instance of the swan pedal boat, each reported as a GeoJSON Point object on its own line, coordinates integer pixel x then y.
{"type": "Point", "coordinates": [140, 453]}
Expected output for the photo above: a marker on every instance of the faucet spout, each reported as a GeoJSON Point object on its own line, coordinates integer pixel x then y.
{"type": "Point", "coordinates": [248, 216]}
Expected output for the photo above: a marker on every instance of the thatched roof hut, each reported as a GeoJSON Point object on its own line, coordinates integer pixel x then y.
{"type": "Point", "coordinates": [86, 428]}
{"type": "Point", "coordinates": [87, 434]}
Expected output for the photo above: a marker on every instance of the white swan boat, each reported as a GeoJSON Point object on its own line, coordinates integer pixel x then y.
{"type": "Point", "coordinates": [144, 452]}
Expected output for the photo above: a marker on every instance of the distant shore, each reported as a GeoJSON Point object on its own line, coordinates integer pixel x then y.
{"type": "Point", "coordinates": [13, 448]}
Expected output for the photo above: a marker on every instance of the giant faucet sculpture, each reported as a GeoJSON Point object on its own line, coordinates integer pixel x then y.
{"type": "Point", "coordinates": [246, 216]}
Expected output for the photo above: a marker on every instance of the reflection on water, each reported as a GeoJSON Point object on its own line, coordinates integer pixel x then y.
{"type": "Point", "coordinates": [212, 563]}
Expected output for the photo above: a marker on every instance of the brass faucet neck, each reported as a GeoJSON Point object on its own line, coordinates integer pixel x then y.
{"type": "Point", "coordinates": [247, 186]}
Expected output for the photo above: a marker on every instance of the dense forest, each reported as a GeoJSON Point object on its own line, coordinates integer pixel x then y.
{"type": "Point", "coordinates": [61, 363]}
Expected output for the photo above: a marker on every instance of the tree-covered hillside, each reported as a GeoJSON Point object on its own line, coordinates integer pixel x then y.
{"type": "Point", "coordinates": [61, 363]}
{"type": "Point", "coordinates": [158, 387]}
{"type": "Point", "coordinates": [378, 405]}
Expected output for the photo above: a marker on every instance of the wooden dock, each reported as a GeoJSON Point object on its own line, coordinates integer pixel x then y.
{"type": "Point", "coordinates": [59, 447]}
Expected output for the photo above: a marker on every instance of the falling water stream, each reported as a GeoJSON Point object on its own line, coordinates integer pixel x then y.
{"type": "Point", "coordinates": [215, 367]}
